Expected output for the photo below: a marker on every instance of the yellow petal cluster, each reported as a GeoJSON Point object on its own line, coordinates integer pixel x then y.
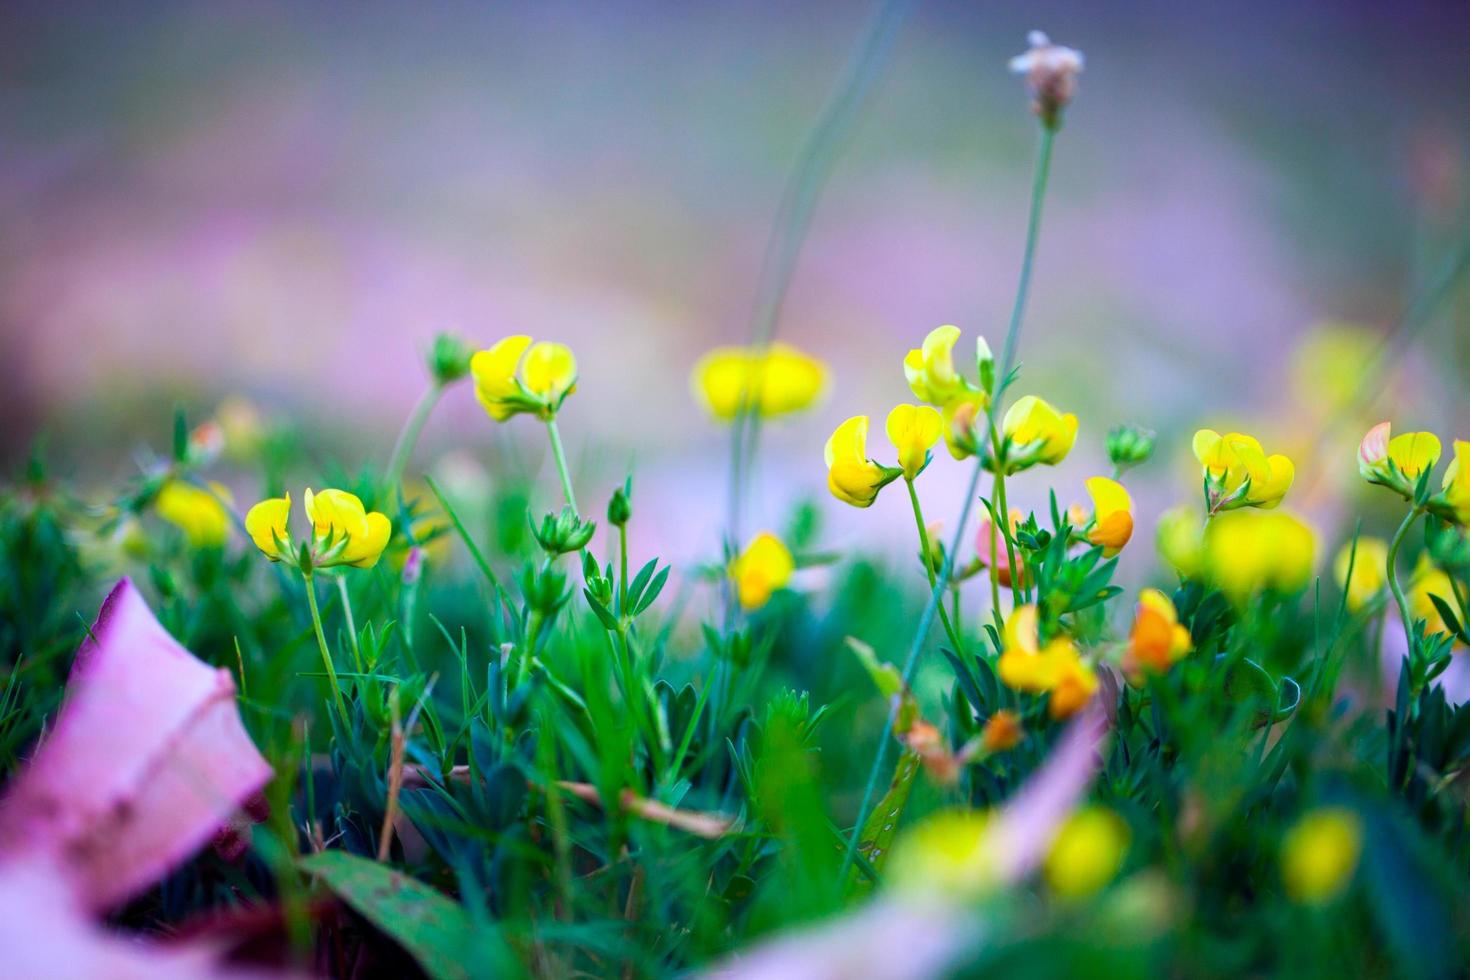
{"type": "Point", "coordinates": [344, 532]}
{"type": "Point", "coordinates": [934, 380]}
{"type": "Point", "coordinates": [1246, 553]}
{"type": "Point", "coordinates": [1157, 640]}
{"type": "Point", "coordinates": [518, 376]}
{"type": "Point", "coordinates": [852, 477]}
{"type": "Point", "coordinates": [763, 567]}
{"type": "Point", "coordinates": [1455, 491]}
{"type": "Point", "coordinates": [197, 512]}
{"type": "Point", "coordinates": [1087, 853]}
{"type": "Point", "coordinates": [779, 381]}
{"type": "Point", "coordinates": [1369, 567]}
{"type": "Point", "coordinates": [1320, 853]}
{"type": "Point", "coordinates": [1112, 515]}
{"type": "Point", "coordinates": [1036, 432]}
{"type": "Point", "coordinates": [1238, 471]}
{"type": "Point", "coordinates": [1057, 668]}
{"type": "Point", "coordinates": [913, 430]}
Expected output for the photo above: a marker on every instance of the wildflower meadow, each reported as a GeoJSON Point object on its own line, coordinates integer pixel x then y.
{"type": "Point", "coordinates": [279, 702]}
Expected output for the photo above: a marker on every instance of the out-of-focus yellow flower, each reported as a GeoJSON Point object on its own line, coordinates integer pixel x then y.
{"type": "Point", "coordinates": [1002, 731]}
{"type": "Point", "coordinates": [1331, 366]}
{"type": "Point", "coordinates": [1238, 471]}
{"type": "Point", "coordinates": [931, 372]}
{"type": "Point", "coordinates": [1036, 432]}
{"type": "Point", "coordinates": [1370, 568]}
{"type": "Point", "coordinates": [1245, 553]}
{"type": "Point", "coordinates": [947, 854]}
{"type": "Point", "coordinates": [1087, 852]}
{"type": "Point", "coordinates": [763, 567]}
{"type": "Point", "coordinates": [1454, 498]}
{"type": "Point", "coordinates": [197, 512]}
{"type": "Point", "coordinates": [1057, 668]}
{"type": "Point", "coordinates": [1320, 853]}
{"type": "Point", "coordinates": [913, 430]}
{"type": "Point", "coordinates": [1181, 539]}
{"type": "Point", "coordinates": [1157, 640]}
{"type": "Point", "coordinates": [1112, 515]}
{"type": "Point", "coordinates": [343, 531]}
{"type": "Point", "coordinates": [1430, 580]}
{"type": "Point", "coordinates": [516, 375]}
{"type": "Point", "coordinates": [788, 381]}
{"type": "Point", "coordinates": [852, 477]}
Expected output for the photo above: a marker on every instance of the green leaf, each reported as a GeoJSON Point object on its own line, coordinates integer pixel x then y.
{"type": "Point", "coordinates": [882, 826]}
{"type": "Point", "coordinates": [654, 588]}
{"type": "Point", "coordinates": [608, 620]}
{"type": "Point", "coordinates": [430, 926]}
{"type": "Point", "coordinates": [1448, 615]}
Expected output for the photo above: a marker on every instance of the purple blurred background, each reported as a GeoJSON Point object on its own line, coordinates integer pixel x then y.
{"type": "Point", "coordinates": [287, 201]}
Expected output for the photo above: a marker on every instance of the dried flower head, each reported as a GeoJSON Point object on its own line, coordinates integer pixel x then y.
{"type": "Point", "coordinates": [1051, 72]}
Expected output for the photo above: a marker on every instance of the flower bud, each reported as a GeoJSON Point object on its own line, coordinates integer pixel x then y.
{"type": "Point", "coordinates": [620, 507]}
{"type": "Point", "coordinates": [1129, 445]}
{"type": "Point", "coordinates": [560, 534]}
{"type": "Point", "coordinates": [449, 359]}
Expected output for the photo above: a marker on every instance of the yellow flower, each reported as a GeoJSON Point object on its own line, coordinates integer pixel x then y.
{"type": "Point", "coordinates": [198, 513]}
{"type": "Point", "coordinates": [343, 531]}
{"type": "Point", "coordinates": [1396, 461]}
{"type": "Point", "coordinates": [947, 854]}
{"type": "Point", "coordinates": [1057, 668]}
{"type": "Point", "coordinates": [961, 414]}
{"type": "Point", "coordinates": [1245, 553]}
{"type": "Point", "coordinates": [268, 524]}
{"type": "Point", "coordinates": [1429, 580]}
{"type": "Point", "coordinates": [516, 376]}
{"type": "Point", "coordinates": [1180, 538]}
{"type": "Point", "coordinates": [1002, 731]}
{"type": "Point", "coordinates": [1112, 515]}
{"type": "Point", "coordinates": [852, 477]}
{"type": "Point", "coordinates": [930, 369]}
{"type": "Point", "coordinates": [1239, 472]}
{"type": "Point", "coordinates": [1320, 853]}
{"type": "Point", "coordinates": [789, 380]}
{"type": "Point", "coordinates": [1454, 497]}
{"type": "Point", "coordinates": [1036, 432]}
{"type": "Point", "coordinates": [913, 430]}
{"type": "Point", "coordinates": [1157, 640]}
{"type": "Point", "coordinates": [1370, 567]}
{"type": "Point", "coordinates": [763, 567]}
{"type": "Point", "coordinates": [1087, 853]}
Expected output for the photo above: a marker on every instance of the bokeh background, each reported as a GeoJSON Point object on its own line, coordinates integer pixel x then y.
{"type": "Point", "coordinates": [286, 201]}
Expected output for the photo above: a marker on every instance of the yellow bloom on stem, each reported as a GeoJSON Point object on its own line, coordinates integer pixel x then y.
{"type": "Point", "coordinates": [1087, 853]}
{"type": "Point", "coordinates": [961, 414]}
{"type": "Point", "coordinates": [198, 513]}
{"type": "Point", "coordinates": [1454, 495]}
{"type": "Point", "coordinates": [1157, 640]}
{"type": "Point", "coordinates": [1036, 432]}
{"type": "Point", "coordinates": [1396, 461]}
{"type": "Point", "coordinates": [852, 477]}
{"type": "Point", "coordinates": [930, 369]}
{"type": "Point", "coordinates": [1246, 553]}
{"type": "Point", "coordinates": [1370, 570]}
{"type": "Point", "coordinates": [1112, 515]}
{"type": "Point", "coordinates": [338, 518]}
{"type": "Point", "coordinates": [1180, 538]}
{"type": "Point", "coordinates": [913, 430]}
{"type": "Point", "coordinates": [787, 379]}
{"type": "Point", "coordinates": [1430, 580]}
{"type": "Point", "coordinates": [1002, 731]}
{"type": "Point", "coordinates": [1057, 668]}
{"type": "Point", "coordinates": [763, 567]}
{"type": "Point", "coordinates": [1238, 471]}
{"type": "Point", "coordinates": [516, 375]}
{"type": "Point", "coordinates": [1320, 853]}
{"type": "Point", "coordinates": [269, 525]}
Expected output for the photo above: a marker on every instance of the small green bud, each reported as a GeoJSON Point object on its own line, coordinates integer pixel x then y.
{"type": "Point", "coordinates": [985, 363]}
{"type": "Point", "coordinates": [545, 592]}
{"type": "Point", "coordinates": [560, 534]}
{"type": "Point", "coordinates": [620, 507]}
{"type": "Point", "coordinates": [1129, 445]}
{"type": "Point", "coordinates": [1448, 545]}
{"type": "Point", "coordinates": [449, 359]}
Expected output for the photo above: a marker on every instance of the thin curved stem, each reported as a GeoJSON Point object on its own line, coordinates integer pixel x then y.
{"type": "Point", "coordinates": [927, 555]}
{"type": "Point", "coordinates": [321, 642]}
{"type": "Point", "coordinates": [351, 623]}
{"type": "Point", "coordinates": [561, 465]}
{"type": "Point", "coordinates": [1008, 355]}
{"type": "Point", "coordinates": [408, 437]}
{"type": "Point", "coordinates": [1393, 575]}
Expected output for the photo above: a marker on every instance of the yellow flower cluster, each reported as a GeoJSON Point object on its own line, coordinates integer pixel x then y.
{"type": "Point", "coordinates": [343, 531]}
{"type": "Point", "coordinates": [517, 376]}
{"type": "Point", "coordinates": [1056, 668]}
{"type": "Point", "coordinates": [778, 381]}
{"type": "Point", "coordinates": [763, 567]}
{"type": "Point", "coordinates": [1157, 640]}
{"type": "Point", "coordinates": [1238, 473]}
{"type": "Point", "coordinates": [1399, 462]}
{"type": "Point", "coordinates": [199, 513]}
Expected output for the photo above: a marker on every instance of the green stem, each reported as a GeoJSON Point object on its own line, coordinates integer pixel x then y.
{"type": "Point", "coordinates": [622, 569]}
{"type": "Point", "coordinates": [321, 642]}
{"type": "Point", "coordinates": [351, 624]}
{"type": "Point", "coordinates": [1004, 507]}
{"type": "Point", "coordinates": [561, 465]}
{"type": "Point", "coordinates": [408, 437]}
{"type": "Point", "coordinates": [926, 553]}
{"type": "Point", "coordinates": [1008, 355]}
{"type": "Point", "coordinates": [1393, 576]}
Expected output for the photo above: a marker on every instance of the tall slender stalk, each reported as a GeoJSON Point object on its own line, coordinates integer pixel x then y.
{"type": "Point", "coordinates": [351, 623]}
{"type": "Point", "coordinates": [1393, 576]}
{"type": "Point", "coordinates": [925, 551]}
{"type": "Point", "coordinates": [1007, 361]}
{"type": "Point", "coordinates": [408, 437]}
{"type": "Point", "coordinates": [321, 642]}
{"type": "Point", "coordinates": [561, 465]}
{"type": "Point", "coordinates": [789, 228]}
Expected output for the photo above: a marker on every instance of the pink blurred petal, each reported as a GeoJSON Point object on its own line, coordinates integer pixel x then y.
{"type": "Point", "coordinates": [898, 937]}
{"type": "Point", "coordinates": [148, 760]}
